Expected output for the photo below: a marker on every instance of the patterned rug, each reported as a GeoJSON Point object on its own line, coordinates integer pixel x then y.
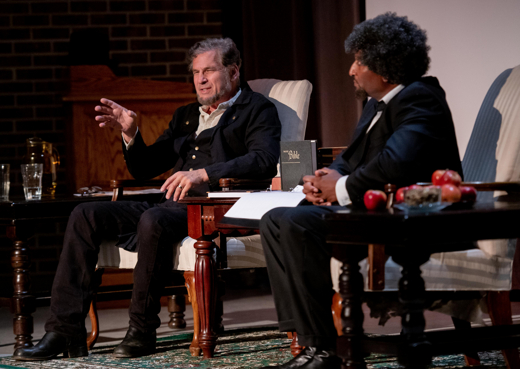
{"type": "Point", "coordinates": [236, 349]}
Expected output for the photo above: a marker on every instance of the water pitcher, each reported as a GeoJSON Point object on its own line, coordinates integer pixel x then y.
{"type": "Point", "coordinates": [39, 151]}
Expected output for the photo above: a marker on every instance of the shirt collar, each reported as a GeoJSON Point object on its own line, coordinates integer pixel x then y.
{"type": "Point", "coordinates": [224, 105]}
{"type": "Point", "coordinates": [390, 95]}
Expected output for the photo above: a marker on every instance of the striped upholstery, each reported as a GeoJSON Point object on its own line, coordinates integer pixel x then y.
{"type": "Point", "coordinates": [291, 99]}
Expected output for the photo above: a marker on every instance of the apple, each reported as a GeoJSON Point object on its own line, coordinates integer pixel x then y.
{"type": "Point", "coordinates": [450, 193]}
{"type": "Point", "coordinates": [448, 177]}
{"type": "Point", "coordinates": [436, 176]}
{"type": "Point", "coordinates": [399, 195]}
{"type": "Point", "coordinates": [374, 199]}
{"type": "Point", "coordinates": [468, 193]}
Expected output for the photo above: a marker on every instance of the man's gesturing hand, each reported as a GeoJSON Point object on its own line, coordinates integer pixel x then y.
{"type": "Point", "coordinates": [118, 117]}
{"type": "Point", "coordinates": [179, 183]}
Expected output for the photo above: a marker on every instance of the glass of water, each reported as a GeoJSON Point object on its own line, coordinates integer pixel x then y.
{"type": "Point", "coordinates": [32, 181]}
{"type": "Point", "coordinates": [4, 182]}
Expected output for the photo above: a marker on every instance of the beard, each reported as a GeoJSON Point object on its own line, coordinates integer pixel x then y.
{"type": "Point", "coordinates": [361, 94]}
{"type": "Point", "coordinates": [213, 99]}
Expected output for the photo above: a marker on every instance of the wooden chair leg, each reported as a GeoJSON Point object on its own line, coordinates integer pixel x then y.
{"type": "Point", "coordinates": [471, 358]}
{"type": "Point", "coordinates": [499, 308]}
{"type": "Point", "coordinates": [189, 278]}
{"type": "Point", "coordinates": [176, 308]}
{"type": "Point", "coordinates": [93, 315]}
{"type": "Point", "coordinates": [295, 346]}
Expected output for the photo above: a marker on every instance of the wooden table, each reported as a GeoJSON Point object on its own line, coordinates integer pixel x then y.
{"type": "Point", "coordinates": [410, 239]}
{"type": "Point", "coordinates": [19, 217]}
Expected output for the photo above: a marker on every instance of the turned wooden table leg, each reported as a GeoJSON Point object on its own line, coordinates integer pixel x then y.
{"type": "Point", "coordinates": [205, 276]}
{"type": "Point", "coordinates": [189, 278]}
{"type": "Point", "coordinates": [22, 302]}
{"type": "Point", "coordinates": [351, 290]}
{"type": "Point", "coordinates": [415, 351]}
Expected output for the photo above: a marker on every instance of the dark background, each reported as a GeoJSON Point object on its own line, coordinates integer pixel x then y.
{"type": "Point", "coordinates": [283, 39]}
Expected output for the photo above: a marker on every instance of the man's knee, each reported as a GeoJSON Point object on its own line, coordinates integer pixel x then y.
{"type": "Point", "coordinates": [163, 220]}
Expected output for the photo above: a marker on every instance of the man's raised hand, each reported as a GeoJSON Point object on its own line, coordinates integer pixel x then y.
{"type": "Point", "coordinates": [117, 117]}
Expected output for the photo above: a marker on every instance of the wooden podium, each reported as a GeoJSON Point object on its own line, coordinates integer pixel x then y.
{"type": "Point", "coordinates": [94, 154]}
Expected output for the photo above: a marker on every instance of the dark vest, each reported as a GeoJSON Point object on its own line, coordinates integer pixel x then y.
{"type": "Point", "coordinates": [196, 152]}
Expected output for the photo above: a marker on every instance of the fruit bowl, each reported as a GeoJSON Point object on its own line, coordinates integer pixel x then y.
{"type": "Point", "coordinates": [422, 208]}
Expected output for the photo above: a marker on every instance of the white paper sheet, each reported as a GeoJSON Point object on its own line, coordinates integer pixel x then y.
{"type": "Point", "coordinates": [254, 205]}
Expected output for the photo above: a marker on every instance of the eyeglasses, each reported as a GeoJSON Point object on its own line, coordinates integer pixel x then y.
{"type": "Point", "coordinates": [87, 191]}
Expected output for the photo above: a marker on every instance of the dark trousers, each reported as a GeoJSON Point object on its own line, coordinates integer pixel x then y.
{"type": "Point", "coordinates": [298, 263]}
{"type": "Point", "coordinates": [152, 229]}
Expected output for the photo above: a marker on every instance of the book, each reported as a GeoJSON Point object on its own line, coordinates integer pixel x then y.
{"type": "Point", "coordinates": [297, 159]}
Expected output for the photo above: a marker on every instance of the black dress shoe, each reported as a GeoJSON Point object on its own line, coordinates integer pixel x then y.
{"type": "Point", "coordinates": [136, 344]}
{"type": "Point", "coordinates": [50, 346]}
{"type": "Point", "coordinates": [311, 358]}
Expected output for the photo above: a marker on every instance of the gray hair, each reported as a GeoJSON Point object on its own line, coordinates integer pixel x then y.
{"type": "Point", "coordinates": [225, 47]}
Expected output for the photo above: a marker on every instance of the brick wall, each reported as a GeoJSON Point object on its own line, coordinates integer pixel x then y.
{"type": "Point", "coordinates": [147, 39]}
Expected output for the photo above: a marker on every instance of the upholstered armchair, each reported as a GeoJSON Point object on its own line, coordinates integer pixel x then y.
{"type": "Point", "coordinates": [492, 155]}
{"type": "Point", "coordinates": [291, 99]}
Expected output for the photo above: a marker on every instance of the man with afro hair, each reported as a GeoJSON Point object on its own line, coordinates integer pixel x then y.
{"type": "Point", "coordinates": [404, 134]}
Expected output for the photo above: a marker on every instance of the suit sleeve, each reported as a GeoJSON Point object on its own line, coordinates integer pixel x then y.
{"type": "Point", "coordinates": [422, 141]}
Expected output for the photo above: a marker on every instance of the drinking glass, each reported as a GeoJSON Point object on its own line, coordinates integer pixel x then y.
{"type": "Point", "coordinates": [32, 181]}
{"type": "Point", "coordinates": [4, 182]}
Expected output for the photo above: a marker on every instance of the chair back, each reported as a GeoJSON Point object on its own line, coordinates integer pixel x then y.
{"type": "Point", "coordinates": [291, 99]}
{"type": "Point", "coordinates": [493, 151]}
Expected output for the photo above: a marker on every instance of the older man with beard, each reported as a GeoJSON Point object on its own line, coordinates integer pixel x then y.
{"type": "Point", "coordinates": [231, 132]}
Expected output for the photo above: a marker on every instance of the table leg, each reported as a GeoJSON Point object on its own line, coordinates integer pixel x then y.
{"type": "Point", "coordinates": [205, 276]}
{"type": "Point", "coordinates": [22, 302]}
{"type": "Point", "coordinates": [415, 351]}
{"type": "Point", "coordinates": [352, 317]}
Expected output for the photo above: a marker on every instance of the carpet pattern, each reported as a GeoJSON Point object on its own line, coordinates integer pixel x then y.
{"type": "Point", "coordinates": [236, 349]}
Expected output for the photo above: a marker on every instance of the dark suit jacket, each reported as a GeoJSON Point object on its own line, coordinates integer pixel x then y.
{"type": "Point", "coordinates": [245, 143]}
{"type": "Point", "coordinates": [414, 137]}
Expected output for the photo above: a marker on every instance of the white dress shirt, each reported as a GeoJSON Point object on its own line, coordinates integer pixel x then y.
{"type": "Point", "coordinates": [341, 184]}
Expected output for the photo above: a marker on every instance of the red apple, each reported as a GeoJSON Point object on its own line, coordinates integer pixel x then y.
{"type": "Point", "coordinates": [374, 199]}
{"type": "Point", "coordinates": [450, 193]}
{"type": "Point", "coordinates": [449, 177]}
{"type": "Point", "coordinates": [436, 176]}
{"type": "Point", "coordinates": [468, 193]}
{"type": "Point", "coordinates": [399, 195]}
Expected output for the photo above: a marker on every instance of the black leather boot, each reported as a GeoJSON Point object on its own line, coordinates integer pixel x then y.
{"type": "Point", "coordinates": [136, 344]}
{"type": "Point", "coordinates": [311, 358]}
{"type": "Point", "coordinates": [50, 346]}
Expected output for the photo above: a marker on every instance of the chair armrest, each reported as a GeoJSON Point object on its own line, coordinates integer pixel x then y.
{"type": "Point", "coordinates": [228, 184]}
{"type": "Point", "coordinates": [118, 185]}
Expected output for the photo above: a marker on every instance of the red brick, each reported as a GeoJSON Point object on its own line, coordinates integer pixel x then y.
{"type": "Point", "coordinates": [166, 5]}
{"type": "Point", "coordinates": [213, 17]}
{"type": "Point", "coordinates": [129, 31]}
{"type": "Point", "coordinates": [61, 73]}
{"type": "Point", "coordinates": [15, 61]}
{"type": "Point", "coordinates": [13, 7]}
{"type": "Point", "coordinates": [147, 18]}
{"type": "Point", "coordinates": [14, 34]}
{"type": "Point", "coordinates": [186, 17]}
{"type": "Point", "coordinates": [178, 69]}
{"type": "Point", "coordinates": [48, 60]}
{"type": "Point", "coordinates": [167, 31]}
{"type": "Point", "coordinates": [50, 33]}
{"type": "Point", "coordinates": [88, 6]}
{"type": "Point", "coordinates": [51, 86]}
{"type": "Point", "coordinates": [17, 87]}
{"type": "Point", "coordinates": [31, 74]}
{"type": "Point", "coordinates": [50, 112]}
{"type": "Point", "coordinates": [148, 70]}
{"type": "Point", "coordinates": [167, 57]}
{"type": "Point", "coordinates": [30, 20]}
{"type": "Point", "coordinates": [60, 47]}
{"type": "Point", "coordinates": [127, 6]}
{"type": "Point", "coordinates": [175, 79]}
{"type": "Point", "coordinates": [16, 113]}
{"type": "Point", "coordinates": [47, 99]}
{"type": "Point", "coordinates": [147, 44]}
{"type": "Point", "coordinates": [205, 30]}
{"type": "Point", "coordinates": [122, 71]}
{"type": "Point", "coordinates": [6, 48]}
{"type": "Point", "coordinates": [110, 19]}
{"type": "Point", "coordinates": [130, 58]}
{"type": "Point", "coordinates": [7, 152]}
{"type": "Point", "coordinates": [183, 43]}
{"type": "Point", "coordinates": [6, 100]}
{"type": "Point", "coordinates": [6, 74]}
{"type": "Point", "coordinates": [49, 7]}
{"type": "Point", "coordinates": [32, 47]}
{"type": "Point", "coordinates": [5, 21]}
{"type": "Point", "coordinates": [204, 5]}
{"type": "Point", "coordinates": [118, 45]}
{"type": "Point", "coordinates": [69, 20]}
{"type": "Point", "coordinates": [33, 125]}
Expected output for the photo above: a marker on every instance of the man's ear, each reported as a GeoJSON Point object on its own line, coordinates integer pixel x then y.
{"type": "Point", "coordinates": [235, 72]}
